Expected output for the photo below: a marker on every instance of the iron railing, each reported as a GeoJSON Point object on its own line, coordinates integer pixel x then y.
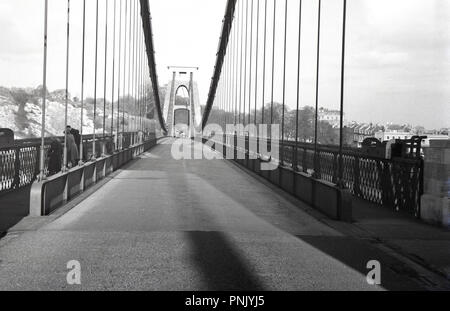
{"type": "Point", "coordinates": [19, 163]}
{"type": "Point", "coordinates": [396, 183]}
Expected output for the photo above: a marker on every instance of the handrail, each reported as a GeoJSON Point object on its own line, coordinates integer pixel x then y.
{"type": "Point", "coordinates": [37, 141]}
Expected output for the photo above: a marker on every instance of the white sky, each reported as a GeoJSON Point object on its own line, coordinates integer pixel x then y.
{"type": "Point", "coordinates": [398, 52]}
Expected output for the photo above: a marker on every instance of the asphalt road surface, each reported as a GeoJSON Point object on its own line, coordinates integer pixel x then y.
{"type": "Point", "coordinates": [165, 224]}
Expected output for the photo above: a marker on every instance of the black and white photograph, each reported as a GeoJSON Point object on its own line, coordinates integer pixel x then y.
{"type": "Point", "coordinates": [224, 153]}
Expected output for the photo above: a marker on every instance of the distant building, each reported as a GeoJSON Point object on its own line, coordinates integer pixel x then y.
{"type": "Point", "coordinates": [390, 135]}
{"type": "Point", "coordinates": [394, 135]}
{"type": "Point", "coordinates": [445, 131]}
{"type": "Point", "coordinates": [347, 135]}
{"type": "Point", "coordinates": [332, 117]}
{"type": "Point", "coordinates": [363, 131]}
{"type": "Point", "coordinates": [441, 132]}
{"type": "Point", "coordinates": [399, 127]}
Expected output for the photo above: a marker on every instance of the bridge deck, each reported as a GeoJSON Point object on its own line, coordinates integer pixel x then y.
{"type": "Point", "coordinates": [162, 224]}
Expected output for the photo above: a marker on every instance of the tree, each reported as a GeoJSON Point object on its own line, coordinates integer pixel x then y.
{"type": "Point", "coordinates": [21, 98]}
{"type": "Point", "coordinates": [306, 119]}
{"type": "Point", "coordinates": [326, 134]}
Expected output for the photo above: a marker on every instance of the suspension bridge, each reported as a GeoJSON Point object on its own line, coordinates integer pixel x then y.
{"type": "Point", "coordinates": [261, 208]}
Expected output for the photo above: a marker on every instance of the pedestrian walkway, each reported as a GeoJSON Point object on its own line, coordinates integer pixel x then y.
{"type": "Point", "coordinates": [426, 244]}
{"type": "Point", "coordinates": [163, 224]}
{"type": "Point", "coordinates": [14, 206]}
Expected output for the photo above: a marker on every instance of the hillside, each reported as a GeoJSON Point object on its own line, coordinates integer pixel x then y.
{"type": "Point", "coordinates": [21, 111]}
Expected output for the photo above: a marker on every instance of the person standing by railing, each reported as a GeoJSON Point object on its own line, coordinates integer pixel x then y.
{"type": "Point", "coordinates": [77, 137]}
{"type": "Point", "coordinates": [72, 150]}
{"type": "Point", "coordinates": [55, 156]}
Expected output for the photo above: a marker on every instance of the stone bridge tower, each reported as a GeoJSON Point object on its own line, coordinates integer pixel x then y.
{"type": "Point", "coordinates": [193, 107]}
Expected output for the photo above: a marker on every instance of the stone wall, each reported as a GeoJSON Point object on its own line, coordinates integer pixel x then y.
{"type": "Point", "coordinates": [435, 207]}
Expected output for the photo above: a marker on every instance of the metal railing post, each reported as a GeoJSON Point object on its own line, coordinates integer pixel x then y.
{"type": "Point", "coordinates": [16, 181]}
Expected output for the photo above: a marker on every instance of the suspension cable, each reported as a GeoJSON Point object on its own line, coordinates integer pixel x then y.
{"type": "Point", "coordinates": [44, 96]}
{"type": "Point", "coordinates": [124, 70]}
{"type": "Point", "coordinates": [135, 75]}
{"type": "Point", "coordinates": [139, 77]}
{"type": "Point", "coordinates": [298, 87]}
{"type": "Point", "coordinates": [113, 73]}
{"type": "Point", "coordinates": [83, 56]}
{"type": "Point", "coordinates": [106, 64]}
{"type": "Point", "coordinates": [129, 65]}
{"type": "Point", "coordinates": [273, 61]}
{"type": "Point", "coordinates": [119, 136]}
{"type": "Point", "coordinates": [264, 66]}
{"type": "Point", "coordinates": [136, 110]}
{"type": "Point", "coordinates": [250, 65]}
{"type": "Point", "coordinates": [241, 60]}
{"type": "Point", "coordinates": [139, 86]}
{"type": "Point", "coordinates": [316, 126]}
{"type": "Point", "coordinates": [245, 62]}
{"type": "Point", "coordinates": [94, 151]}
{"type": "Point", "coordinates": [235, 64]}
{"type": "Point", "coordinates": [257, 62]}
{"type": "Point", "coordinates": [284, 79]}
{"type": "Point", "coordinates": [341, 134]}
{"type": "Point", "coordinates": [131, 68]}
{"type": "Point", "coordinates": [230, 8]}
{"type": "Point", "coordinates": [67, 87]}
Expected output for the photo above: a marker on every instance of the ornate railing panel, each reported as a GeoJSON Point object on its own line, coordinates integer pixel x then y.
{"type": "Point", "coordinates": [396, 183]}
{"type": "Point", "coordinates": [19, 164]}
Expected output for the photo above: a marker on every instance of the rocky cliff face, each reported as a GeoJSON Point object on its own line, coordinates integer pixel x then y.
{"type": "Point", "coordinates": [21, 111]}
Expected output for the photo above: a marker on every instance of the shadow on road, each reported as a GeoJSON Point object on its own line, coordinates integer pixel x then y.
{"type": "Point", "coordinates": [14, 206]}
{"type": "Point", "coordinates": [218, 259]}
{"type": "Point", "coordinates": [222, 267]}
{"type": "Point", "coordinates": [354, 253]}
{"type": "Point", "coordinates": [219, 262]}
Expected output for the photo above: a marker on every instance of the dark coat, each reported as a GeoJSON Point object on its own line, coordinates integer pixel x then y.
{"type": "Point", "coordinates": [76, 136]}
{"type": "Point", "coordinates": [72, 150]}
{"type": "Point", "coordinates": [55, 157]}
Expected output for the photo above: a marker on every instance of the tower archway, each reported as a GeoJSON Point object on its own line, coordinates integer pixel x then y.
{"type": "Point", "coordinates": [182, 111]}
